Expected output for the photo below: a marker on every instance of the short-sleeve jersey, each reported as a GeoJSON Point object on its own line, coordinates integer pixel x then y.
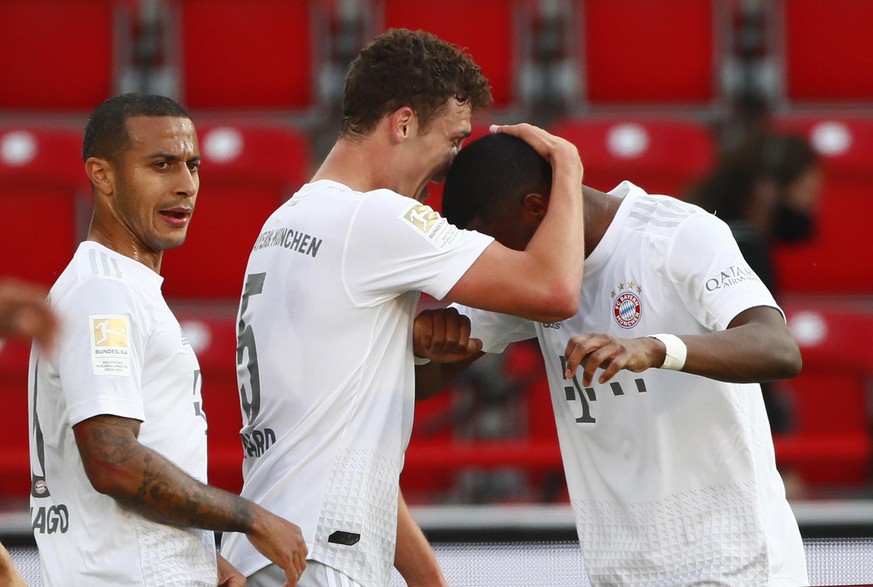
{"type": "Point", "coordinates": [120, 352]}
{"type": "Point", "coordinates": [325, 365]}
{"type": "Point", "coordinates": [672, 476]}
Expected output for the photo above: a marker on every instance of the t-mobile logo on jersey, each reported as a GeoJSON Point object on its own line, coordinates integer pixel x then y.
{"type": "Point", "coordinates": [588, 394]}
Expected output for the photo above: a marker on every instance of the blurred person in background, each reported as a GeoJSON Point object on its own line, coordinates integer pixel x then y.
{"type": "Point", "coordinates": [118, 433]}
{"type": "Point", "coordinates": [663, 433]}
{"type": "Point", "coordinates": [325, 360]}
{"type": "Point", "coordinates": [24, 314]}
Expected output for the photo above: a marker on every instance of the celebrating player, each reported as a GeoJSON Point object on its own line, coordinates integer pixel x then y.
{"type": "Point", "coordinates": [325, 320]}
{"type": "Point", "coordinates": [664, 437]}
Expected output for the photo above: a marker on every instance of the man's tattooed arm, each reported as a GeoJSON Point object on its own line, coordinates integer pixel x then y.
{"type": "Point", "coordinates": [145, 481]}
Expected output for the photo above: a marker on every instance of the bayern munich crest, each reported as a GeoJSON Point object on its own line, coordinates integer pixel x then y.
{"type": "Point", "coordinates": [627, 307]}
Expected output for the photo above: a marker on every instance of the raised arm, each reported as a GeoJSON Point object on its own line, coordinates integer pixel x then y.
{"type": "Point", "coordinates": [756, 346]}
{"type": "Point", "coordinates": [543, 281]}
{"type": "Point", "coordinates": [143, 480]}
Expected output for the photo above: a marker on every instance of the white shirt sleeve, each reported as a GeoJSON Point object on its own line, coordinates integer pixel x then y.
{"type": "Point", "coordinates": [711, 276]}
{"type": "Point", "coordinates": [101, 350]}
{"type": "Point", "coordinates": [496, 330]}
{"type": "Point", "coordinates": [396, 244]}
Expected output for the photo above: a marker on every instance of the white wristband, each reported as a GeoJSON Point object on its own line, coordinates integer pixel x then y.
{"type": "Point", "coordinates": [420, 360]}
{"type": "Point", "coordinates": [676, 351]}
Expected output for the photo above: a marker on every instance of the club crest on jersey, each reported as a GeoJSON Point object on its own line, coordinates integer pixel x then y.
{"type": "Point", "coordinates": [627, 306]}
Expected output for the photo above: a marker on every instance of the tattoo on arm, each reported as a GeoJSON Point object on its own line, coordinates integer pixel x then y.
{"type": "Point", "coordinates": [145, 481]}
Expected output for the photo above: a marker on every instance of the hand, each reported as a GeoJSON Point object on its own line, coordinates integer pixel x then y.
{"type": "Point", "coordinates": [228, 575]}
{"type": "Point", "coordinates": [25, 313]}
{"type": "Point", "coordinates": [543, 142]}
{"type": "Point", "coordinates": [9, 576]}
{"type": "Point", "coordinates": [280, 541]}
{"type": "Point", "coordinates": [611, 354]}
{"type": "Point", "coordinates": [443, 335]}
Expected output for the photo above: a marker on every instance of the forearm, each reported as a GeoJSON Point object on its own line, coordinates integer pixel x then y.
{"type": "Point", "coordinates": [746, 354]}
{"type": "Point", "coordinates": [434, 377]}
{"type": "Point", "coordinates": [557, 247]}
{"type": "Point", "coordinates": [145, 481]}
{"type": "Point", "coordinates": [414, 558]}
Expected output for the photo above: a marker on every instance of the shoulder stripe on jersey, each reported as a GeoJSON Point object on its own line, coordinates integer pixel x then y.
{"type": "Point", "coordinates": [92, 258]}
{"type": "Point", "coordinates": [677, 208]}
{"type": "Point", "coordinates": [106, 266]}
{"type": "Point", "coordinates": [651, 220]}
{"type": "Point", "coordinates": [104, 262]}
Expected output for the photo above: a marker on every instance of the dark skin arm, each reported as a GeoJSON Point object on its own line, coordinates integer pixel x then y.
{"type": "Point", "coordinates": [756, 346]}
{"type": "Point", "coordinates": [145, 481]}
{"type": "Point", "coordinates": [442, 335]}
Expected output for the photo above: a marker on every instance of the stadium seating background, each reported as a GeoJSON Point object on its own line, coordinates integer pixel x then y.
{"type": "Point", "coordinates": [649, 91]}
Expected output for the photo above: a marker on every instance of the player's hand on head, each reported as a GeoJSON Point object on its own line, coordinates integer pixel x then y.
{"type": "Point", "coordinates": [550, 146]}
{"type": "Point", "coordinates": [280, 541]}
{"type": "Point", "coordinates": [609, 353]}
{"type": "Point", "coordinates": [443, 335]}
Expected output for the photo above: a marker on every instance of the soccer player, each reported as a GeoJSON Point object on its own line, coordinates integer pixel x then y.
{"type": "Point", "coordinates": [325, 321]}
{"type": "Point", "coordinates": [662, 428]}
{"type": "Point", "coordinates": [118, 432]}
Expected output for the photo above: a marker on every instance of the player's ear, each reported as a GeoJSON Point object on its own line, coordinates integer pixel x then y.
{"type": "Point", "coordinates": [403, 124]}
{"type": "Point", "coordinates": [534, 206]}
{"type": "Point", "coordinates": [100, 174]}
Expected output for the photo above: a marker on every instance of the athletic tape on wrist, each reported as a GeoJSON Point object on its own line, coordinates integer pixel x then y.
{"type": "Point", "coordinates": [676, 351]}
{"type": "Point", "coordinates": [420, 360]}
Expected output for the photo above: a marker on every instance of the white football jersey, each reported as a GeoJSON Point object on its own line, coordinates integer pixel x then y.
{"type": "Point", "coordinates": [672, 476]}
{"type": "Point", "coordinates": [120, 352]}
{"type": "Point", "coordinates": [325, 365]}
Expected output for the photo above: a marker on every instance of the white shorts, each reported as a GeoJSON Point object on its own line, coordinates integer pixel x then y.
{"type": "Point", "coordinates": [316, 574]}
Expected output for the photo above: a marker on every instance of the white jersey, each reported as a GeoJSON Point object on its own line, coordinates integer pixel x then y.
{"type": "Point", "coordinates": [120, 352]}
{"type": "Point", "coordinates": [325, 365]}
{"type": "Point", "coordinates": [672, 476]}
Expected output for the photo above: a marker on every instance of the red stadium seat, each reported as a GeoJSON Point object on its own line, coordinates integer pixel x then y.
{"type": "Point", "coordinates": [493, 31]}
{"type": "Point", "coordinates": [42, 208]}
{"type": "Point", "coordinates": [663, 156]}
{"type": "Point", "coordinates": [639, 52]}
{"type": "Point", "coordinates": [835, 260]}
{"type": "Point", "coordinates": [258, 54]}
{"type": "Point", "coordinates": [828, 51]}
{"type": "Point", "coordinates": [62, 54]}
{"type": "Point", "coordinates": [247, 172]}
{"type": "Point", "coordinates": [831, 444]}
{"type": "Point", "coordinates": [14, 462]}
{"type": "Point", "coordinates": [213, 337]}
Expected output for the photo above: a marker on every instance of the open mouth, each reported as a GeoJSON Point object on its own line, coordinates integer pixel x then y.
{"type": "Point", "coordinates": [176, 216]}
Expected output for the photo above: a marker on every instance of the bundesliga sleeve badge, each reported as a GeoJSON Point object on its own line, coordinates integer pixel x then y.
{"type": "Point", "coordinates": [110, 344]}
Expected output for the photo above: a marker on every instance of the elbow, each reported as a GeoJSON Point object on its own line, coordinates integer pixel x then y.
{"type": "Point", "coordinates": [561, 304]}
{"type": "Point", "coordinates": [789, 361]}
{"type": "Point", "coordinates": [793, 364]}
{"type": "Point", "coordinates": [105, 479]}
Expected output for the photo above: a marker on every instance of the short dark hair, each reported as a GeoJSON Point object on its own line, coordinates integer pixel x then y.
{"type": "Point", "coordinates": [490, 175]}
{"type": "Point", "coordinates": [106, 133]}
{"type": "Point", "coordinates": [405, 68]}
